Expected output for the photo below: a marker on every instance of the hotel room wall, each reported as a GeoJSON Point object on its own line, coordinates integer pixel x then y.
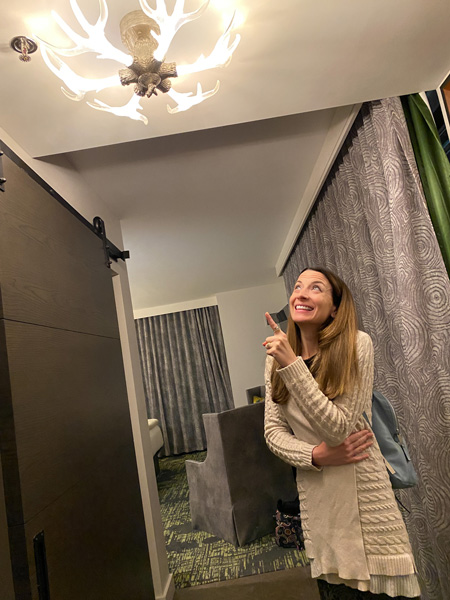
{"type": "Point", "coordinates": [244, 329]}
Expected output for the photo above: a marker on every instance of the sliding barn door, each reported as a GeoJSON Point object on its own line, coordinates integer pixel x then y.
{"type": "Point", "coordinates": [71, 518]}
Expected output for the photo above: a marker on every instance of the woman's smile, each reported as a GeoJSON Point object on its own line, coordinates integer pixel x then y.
{"type": "Point", "coordinates": [303, 307]}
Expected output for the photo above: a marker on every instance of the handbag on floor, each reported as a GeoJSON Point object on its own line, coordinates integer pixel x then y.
{"type": "Point", "coordinates": [392, 445]}
{"type": "Point", "coordinates": [288, 529]}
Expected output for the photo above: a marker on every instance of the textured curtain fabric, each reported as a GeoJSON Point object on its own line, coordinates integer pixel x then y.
{"type": "Point", "coordinates": [371, 225]}
{"type": "Point", "coordinates": [434, 168]}
{"type": "Point", "coordinates": [185, 374]}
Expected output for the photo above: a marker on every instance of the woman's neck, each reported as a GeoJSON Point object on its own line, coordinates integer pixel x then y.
{"type": "Point", "coordinates": [310, 342]}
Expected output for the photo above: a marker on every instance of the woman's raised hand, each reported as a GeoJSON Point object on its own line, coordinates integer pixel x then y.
{"type": "Point", "coordinates": [277, 345]}
{"type": "Point", "coordinates": [351, 450]}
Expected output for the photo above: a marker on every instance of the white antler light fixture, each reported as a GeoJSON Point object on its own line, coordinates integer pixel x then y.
{"type": "Point", "coordinates": [147, 34]}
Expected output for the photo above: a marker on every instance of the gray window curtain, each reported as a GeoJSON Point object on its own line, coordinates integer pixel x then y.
{"type": "Point", "coordinates": [185, 374]}
{"type": "Point", "coordinates": [371, 225]}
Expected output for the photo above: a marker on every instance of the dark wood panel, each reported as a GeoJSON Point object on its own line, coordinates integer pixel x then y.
{"type": "Point", "coordinates": [70, 409]}
{"type": "Point", "coordinates": [8, 449]}
{"type": "Point", "coordinates": [95, 537]}
{"type": "Point", "coordinates": [6, 579]}
{"type": "Point", "coordinates": [68, 465]}
{"type": "Point", "coordinates": [50, 263]}
{"type": "Point", "coordinates": [19, 562]}
{"type": "Point", "coordinates": [16, 545]}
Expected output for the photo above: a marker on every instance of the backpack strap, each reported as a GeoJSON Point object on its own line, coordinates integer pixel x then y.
{"type": "Point", "coordinates": [388, 466]}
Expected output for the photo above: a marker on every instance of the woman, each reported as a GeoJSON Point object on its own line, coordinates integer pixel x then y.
{"type": "Point", "coordinates": [318, 384]}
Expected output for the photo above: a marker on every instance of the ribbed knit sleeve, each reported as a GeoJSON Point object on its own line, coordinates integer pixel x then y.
{"type": "Point", "coordinates": [279, 437]}
{"type": "Point", "coordinates": [332, 420]}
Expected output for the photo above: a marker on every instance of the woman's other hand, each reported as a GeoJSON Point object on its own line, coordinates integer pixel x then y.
{"type": "Point", "coordinates": [351, 450]}
{"type": "Point", "coordinates": [277, 345]}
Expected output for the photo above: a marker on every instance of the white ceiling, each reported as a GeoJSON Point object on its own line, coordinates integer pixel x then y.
{"type": "Point", "coordinates": [207, 196]}
{"type": "Point", "coordinates": [206, 211]}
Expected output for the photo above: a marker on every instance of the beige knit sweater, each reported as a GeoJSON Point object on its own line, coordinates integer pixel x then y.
{"type": "Point", "coordinates": [354, 532]}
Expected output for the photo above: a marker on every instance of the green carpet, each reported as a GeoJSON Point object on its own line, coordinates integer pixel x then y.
{"type": "Point", "coordinates": [197, 557]}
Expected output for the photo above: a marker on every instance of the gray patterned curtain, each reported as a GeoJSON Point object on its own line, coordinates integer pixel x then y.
{"type": "Point", "coordinates": [371, 225]}
{"type": "Point", "coordinates": [185, 374]}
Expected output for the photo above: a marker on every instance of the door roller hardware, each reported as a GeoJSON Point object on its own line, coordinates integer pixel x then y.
{"type": "Point", "coordinates": [2, 179]}
{"type": "Point", "coordinates": [99, 226]}
{"type": "Point", "coordinates": [109, 249]}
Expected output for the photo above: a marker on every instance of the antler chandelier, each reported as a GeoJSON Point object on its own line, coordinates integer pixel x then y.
{"type": "Point", "coordinates": [147, 34]}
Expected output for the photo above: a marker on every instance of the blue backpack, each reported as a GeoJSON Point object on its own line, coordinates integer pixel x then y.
{"type": "Point", "coordinates": [392, 445]}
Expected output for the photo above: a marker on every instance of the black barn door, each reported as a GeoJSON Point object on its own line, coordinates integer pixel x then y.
{"type": "Point", "coordinates": [70, 512]}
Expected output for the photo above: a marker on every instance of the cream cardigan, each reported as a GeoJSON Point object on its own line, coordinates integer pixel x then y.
{"type": "Point", "coordinates": [354, 532]}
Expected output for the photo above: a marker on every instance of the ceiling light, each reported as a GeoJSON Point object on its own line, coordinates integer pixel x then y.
{"type": "Point", "coordinates": [147, 35]}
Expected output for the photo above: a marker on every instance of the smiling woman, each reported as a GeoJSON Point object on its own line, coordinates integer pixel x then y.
{"type": "Point", "coordinates": [319, 380]}
{"type": "Point", "coordinates": [312, 301]}
{"type": "Point", "coordinates": [322, 327]}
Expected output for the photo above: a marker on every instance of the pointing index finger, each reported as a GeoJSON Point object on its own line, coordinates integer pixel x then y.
{"type": "Point", "coordinates": [275, 327]}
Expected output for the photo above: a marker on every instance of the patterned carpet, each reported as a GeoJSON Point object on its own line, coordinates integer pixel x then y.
{"type": "Point", "coordinates": [197, 557]}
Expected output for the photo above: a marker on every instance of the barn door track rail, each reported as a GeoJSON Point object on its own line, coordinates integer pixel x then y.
{"type": "Point", "coordinates": [98, 225]}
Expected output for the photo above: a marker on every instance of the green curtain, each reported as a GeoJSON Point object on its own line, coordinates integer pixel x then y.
{"type": "Point", "coordinates": [434, 168]}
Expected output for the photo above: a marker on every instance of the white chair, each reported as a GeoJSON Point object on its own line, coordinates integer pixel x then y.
{"type": "Point", "coordinates": [156, 440]}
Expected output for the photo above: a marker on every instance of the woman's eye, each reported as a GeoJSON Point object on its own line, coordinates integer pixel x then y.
{"type": "Point", "coordinates": [316, 287]}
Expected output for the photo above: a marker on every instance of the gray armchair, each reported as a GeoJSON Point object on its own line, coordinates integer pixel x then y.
{"type": "Point", "coordinates": [233, 494]}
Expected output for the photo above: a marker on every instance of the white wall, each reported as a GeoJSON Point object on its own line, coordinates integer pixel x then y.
{"type": "Point", "coordinates": [244, 330]}
{"type": "Point", "coordinates": [166, 309]}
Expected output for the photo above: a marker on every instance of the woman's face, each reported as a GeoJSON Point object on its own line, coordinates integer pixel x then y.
{"type": "Point", "coordinates": [311, 301]}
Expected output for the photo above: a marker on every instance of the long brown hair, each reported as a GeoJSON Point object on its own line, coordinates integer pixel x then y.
{"type": "Point", "coordinates": [335, 366]}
